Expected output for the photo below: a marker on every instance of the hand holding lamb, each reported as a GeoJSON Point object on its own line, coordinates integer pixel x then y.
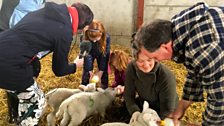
{"type": "Point", "coordinates": [148, 117]}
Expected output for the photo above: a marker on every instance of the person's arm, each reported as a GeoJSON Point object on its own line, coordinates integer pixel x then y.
{"type": "Point", "coordinates": [114, 83]}
{"type": "Point", "coordinates": [117, 78]}
{"type": "Point", "coordinates": [105, 58]}
{"type": "Point", "coordinates": [167, 94]}
{"type": "Point", "coordinates": [60, 63]}
{"type": "Point", "coordinates": [129, 90]}
{"type": "Point", "coordinates": [88, 65]}
{"type": "Point", "coordinates": [79, 62]}
{"type": "Point", "coordinates": [179, 111]}
{"type": "Point", "coordinates": [192, 92]}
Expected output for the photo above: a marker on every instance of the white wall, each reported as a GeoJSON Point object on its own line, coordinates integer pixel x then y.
{"type": "Point", "coordinates": [118, 17]}
{"type": "Point", "coordinates": [0, 4]}
{"type": "Point", "coordinates": [165, 9]}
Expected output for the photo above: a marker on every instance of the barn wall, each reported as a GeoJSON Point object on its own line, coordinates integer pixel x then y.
{"type": "Point", "coordinates": [165, 9]}
{"type": "Point", "coordinates": [119, 16]}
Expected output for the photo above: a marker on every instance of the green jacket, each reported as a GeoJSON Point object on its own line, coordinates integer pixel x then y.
{"type": "Point", "coordinates": [158, 87]}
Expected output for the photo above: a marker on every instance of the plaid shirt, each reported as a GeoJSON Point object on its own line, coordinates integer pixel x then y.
{"type": "Point", "coordinates": [198, 42]}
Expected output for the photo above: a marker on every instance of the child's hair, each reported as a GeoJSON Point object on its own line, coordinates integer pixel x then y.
{"type": "Point", "coordinates": [120, 58]}
{"type": "Point", "coordinates": [94, 30]}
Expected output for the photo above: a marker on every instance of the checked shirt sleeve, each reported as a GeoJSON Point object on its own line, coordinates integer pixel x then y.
{"type": "Point", "coordinates": [198, 33]}
{"type": "Point", "coordinates": [193, 90]}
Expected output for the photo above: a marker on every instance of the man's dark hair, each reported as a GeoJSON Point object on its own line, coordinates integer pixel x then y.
{"type": "Point", "coordinates": [85, 14]}
{"type": "Point", "coordinates": [152, 35]}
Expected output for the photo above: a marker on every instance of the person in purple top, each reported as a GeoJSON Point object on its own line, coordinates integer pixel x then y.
{"type": "Point", "coordinates": [118, 63]}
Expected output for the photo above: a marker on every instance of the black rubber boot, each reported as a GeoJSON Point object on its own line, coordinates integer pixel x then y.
{"type": "Point", "coordinates": [13, 103]}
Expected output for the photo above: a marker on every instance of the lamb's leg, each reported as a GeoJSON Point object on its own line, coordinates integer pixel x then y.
{"type": "Point", "coordinates": [77, 115]}
{"type": "Point", "coordinates": [51, 119]}
{"type": "Point", "coordinates": [75, 122]}
{"type": "Point", "coordinates": [65, 119]}
{"type": "Point", "coordinates": [102, 112]}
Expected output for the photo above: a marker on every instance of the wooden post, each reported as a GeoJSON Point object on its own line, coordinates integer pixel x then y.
{"type": "Point", "coordinates": [140, 13]}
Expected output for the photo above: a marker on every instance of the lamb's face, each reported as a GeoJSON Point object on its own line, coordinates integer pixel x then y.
{"type": "Point", "coordinates": [151, 114]}
{"type": "Point", "coordinates": [111, 92]}
{"type": "Point", "coordinates": [91, 87]}
{"type": "Point", "coordinates": [151, 117]}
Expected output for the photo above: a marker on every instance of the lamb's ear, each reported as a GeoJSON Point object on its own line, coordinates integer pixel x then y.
{"type": "Point", "coordinates": [145, 105]}
{"type": "Point", "coordinates": [91, 85]}
{"type": "Point", "coordinates": [100, 90]}
{"type": "Point", "coordinates": [82, 87]}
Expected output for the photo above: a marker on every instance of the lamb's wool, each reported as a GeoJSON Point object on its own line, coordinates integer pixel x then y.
{"type": "Point", "coordinates": [79, 106]}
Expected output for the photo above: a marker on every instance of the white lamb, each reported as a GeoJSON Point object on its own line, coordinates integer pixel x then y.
{"type": "Point", "coordinates": [55, 97]}
{"type": "Point", "coordinates": [148, 117]}
{"type": "Point", "coordinates": [79, 106]}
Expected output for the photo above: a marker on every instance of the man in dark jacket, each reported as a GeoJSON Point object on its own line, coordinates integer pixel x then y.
{"type": "Point", "coordinates": [50, 28]}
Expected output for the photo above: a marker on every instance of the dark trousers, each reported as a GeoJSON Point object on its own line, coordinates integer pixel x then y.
{"type": "Point", "coordinates": [12, 102]}
{"type": "Point", "coordinates": [88, 66]}
{"type": "Point", "coordinates": [12, 99]}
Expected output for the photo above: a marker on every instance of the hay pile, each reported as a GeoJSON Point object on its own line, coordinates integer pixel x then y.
{"type": "Point", "coordinates": [47, 81]}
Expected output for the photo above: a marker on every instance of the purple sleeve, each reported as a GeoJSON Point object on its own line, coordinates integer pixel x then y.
{"type": "Point", "coordinates": [119, 77]}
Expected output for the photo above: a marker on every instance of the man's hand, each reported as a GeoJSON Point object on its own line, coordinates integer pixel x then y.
{"type": "Point", "coordinates": [179, 112]}
{"type": "Point", "coordinates": [134, 117]}
{"type": "Point", "coordinates": [79, 62]}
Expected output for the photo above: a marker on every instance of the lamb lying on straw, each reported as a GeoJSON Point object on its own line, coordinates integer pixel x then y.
{"type": "Point", "coordinates": [55, 97]}
{"type": "Point", "coordinates": [81, 105]}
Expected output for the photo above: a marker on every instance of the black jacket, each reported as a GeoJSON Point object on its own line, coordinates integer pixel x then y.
{"type": "Point", "coordinates": [49, 28]}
